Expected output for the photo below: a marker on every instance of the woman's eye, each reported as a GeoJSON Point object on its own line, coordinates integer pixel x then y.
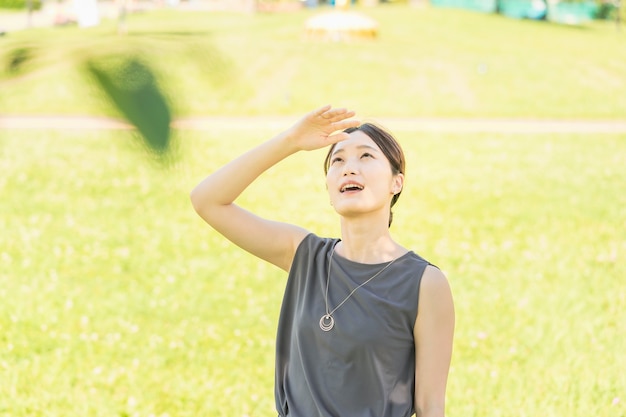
{"type": "Point", "coordinates": [335, 160]}
{"type": "Point", "coordinates": [366, 155]}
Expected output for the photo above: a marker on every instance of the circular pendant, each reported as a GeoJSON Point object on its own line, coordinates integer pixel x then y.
{"type": "Point", "coordinates": [327, 322]}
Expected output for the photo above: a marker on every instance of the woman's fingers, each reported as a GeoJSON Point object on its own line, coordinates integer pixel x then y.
{"type": "Point", "coordinates": [321, 110]}
{"type": "Point", "coordinates": [322, 127]}
{"type": "Point", "coordinates": [335, 115]}
{"type": "Point", "coordinates": [332, 114]}
{"type": "Point", "coordinates": [344, 124]}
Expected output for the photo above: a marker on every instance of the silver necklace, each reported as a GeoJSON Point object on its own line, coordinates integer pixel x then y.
{"type": "Point", "coordinates": [327, 322]}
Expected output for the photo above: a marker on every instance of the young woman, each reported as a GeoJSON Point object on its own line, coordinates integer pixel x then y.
{"type": "Point", "coordinates": [366, 326]}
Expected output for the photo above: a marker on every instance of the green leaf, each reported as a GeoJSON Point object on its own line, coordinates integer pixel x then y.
{"type": "Point", "coordinates": [131, 86]}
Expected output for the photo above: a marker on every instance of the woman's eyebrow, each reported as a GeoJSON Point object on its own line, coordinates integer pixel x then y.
{"type": "Point", "coordinates": [368, 147]}
{"type": "Point", "coordinates": [358, 147]}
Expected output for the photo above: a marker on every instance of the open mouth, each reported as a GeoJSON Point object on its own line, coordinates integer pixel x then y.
{"type": "Point", "coordinates": [351, 187]}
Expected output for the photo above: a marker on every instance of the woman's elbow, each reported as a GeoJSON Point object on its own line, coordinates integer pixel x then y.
{"type": "Point", "coordinates": [196, 200]}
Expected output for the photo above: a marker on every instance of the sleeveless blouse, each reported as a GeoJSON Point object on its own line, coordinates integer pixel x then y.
{"type": "Point", "coordinates": [365, 365]}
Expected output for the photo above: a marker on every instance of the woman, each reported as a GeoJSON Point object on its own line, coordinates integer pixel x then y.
{"type": "Point", "coordinates": [366, 326]}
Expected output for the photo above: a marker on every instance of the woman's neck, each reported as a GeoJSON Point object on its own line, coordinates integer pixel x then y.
{"type": "Point", "coordinates": [367, 242]}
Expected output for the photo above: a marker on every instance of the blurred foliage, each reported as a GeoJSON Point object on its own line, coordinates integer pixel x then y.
{"type": "Point", "coordinates": [20, 4]}
{"type": "Point", "coordinates": [609, 10]}
{"type": "Point", "coordinates": [18, 57]}
{"type": "Point", "coordinates": [32, 59]}
{"type": "Point", "coordinates": [131, 86]}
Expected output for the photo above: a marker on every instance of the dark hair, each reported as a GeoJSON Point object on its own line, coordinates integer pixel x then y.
{"type": "Point", "coordinates": [389, 147]}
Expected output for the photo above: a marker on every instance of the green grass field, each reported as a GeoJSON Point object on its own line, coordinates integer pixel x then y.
{"type": "Point", "coordinates": [116, 299]}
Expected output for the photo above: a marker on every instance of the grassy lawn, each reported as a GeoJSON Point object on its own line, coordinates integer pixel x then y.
{"type": "Point", "coordinates": [116, 300]}
{"type": "Point", "coordinates": [426, 62]}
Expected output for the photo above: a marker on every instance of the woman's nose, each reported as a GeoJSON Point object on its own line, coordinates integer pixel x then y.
{"type": "Point", "coordinates": [350, 167]}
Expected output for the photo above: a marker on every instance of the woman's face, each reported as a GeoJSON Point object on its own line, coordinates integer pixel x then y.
{"type": "Point", "coordinates": [360, 179]}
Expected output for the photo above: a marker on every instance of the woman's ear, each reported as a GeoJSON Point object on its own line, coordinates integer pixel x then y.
{"type": "Point", "coordinates": [398, 183]}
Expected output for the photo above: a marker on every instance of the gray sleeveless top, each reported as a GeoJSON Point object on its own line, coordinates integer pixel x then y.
{"type": "Point", "coordinates": [365, 365]}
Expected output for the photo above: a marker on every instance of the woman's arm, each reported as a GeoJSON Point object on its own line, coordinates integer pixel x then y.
{"type": "Point", "coordinates": [434, 331]}
{"type": "Point", "coordinates": [213, 198]}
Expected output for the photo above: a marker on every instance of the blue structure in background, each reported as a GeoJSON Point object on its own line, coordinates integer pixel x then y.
{"type": "Point", "coordinates": [567, 12]}
{"type": "Point", "coordinates": [524, 9]}
{"type": "Point", "coordinates": [572, 13]}
{"type": "Point", "coordinates": [484, 6]}
{"type": "Point", "coordinates": [315, 3]}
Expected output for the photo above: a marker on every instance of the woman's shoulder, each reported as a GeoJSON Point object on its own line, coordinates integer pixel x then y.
{"type": "Point", "coordinates": [416, 259]}
{"type": "Point", "coordinates": [421, 268]}
{"type": "Point", "coordinates": [312, 239]}
{"type": "Point", "coordinates": [312, 245]}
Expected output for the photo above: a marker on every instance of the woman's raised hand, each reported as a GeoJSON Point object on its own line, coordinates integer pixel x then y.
{"type": "Point", "coordinates": [320, 128]}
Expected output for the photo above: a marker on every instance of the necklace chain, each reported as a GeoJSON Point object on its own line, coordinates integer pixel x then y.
{"type": "Point", "coordinates": [327, 322]}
